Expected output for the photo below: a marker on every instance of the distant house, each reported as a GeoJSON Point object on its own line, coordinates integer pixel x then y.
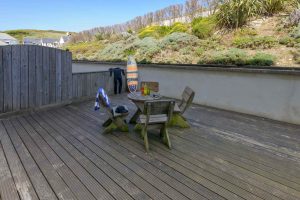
{"type": "Point", "coordinates": [63, 40]}
{"type": "Point", "coordinates": [2, 43]}
{"type": "Point", "coordinates": [50, 42]}
{"type": "Point", "coordinates": [7, 39]}
{"type": "Point", "coordinates": [32, 41]}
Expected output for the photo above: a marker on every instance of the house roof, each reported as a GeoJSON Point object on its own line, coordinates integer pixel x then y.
{"type": "Point", "coordinates": [49, 40]}
{"type": "Point", "coordinates": [2, 43]}
{"type": "Point", "coordinates": [27, 40]}
{"type": "Point", "coordinates": [5, 36]}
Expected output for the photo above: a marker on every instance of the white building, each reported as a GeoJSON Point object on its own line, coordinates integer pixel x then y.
{"type": "Point", "coordinates": [7, 39]}
{"type": "Point", "coordinates": [63, 40]}
{"type": "Point", "coordinates": [50, 42]}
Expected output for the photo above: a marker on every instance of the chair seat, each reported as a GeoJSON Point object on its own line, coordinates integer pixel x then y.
{"type": "Point", "coordinates": [115, 114]}
{"type": "Point", "coordinates": [154, 119]}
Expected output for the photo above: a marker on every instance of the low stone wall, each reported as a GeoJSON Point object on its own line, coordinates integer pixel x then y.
{"type": "Point", "coordinates": [267, 92]}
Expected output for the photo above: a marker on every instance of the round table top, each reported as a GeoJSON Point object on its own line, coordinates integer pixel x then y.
{"type": "Point", "coordinates": [137, 96]}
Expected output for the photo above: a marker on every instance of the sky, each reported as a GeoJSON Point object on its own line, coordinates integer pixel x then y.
{"type": "Point", "coordinates": [73, 15]}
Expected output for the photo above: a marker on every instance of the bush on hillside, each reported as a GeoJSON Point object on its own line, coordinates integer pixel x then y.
{"type": "Point", "coordinates": [231, 56]}
{"type": "Point", "coordinates": [178, 27]}
{"type": "Point", "coordinates": [287, 41]}
{"type": "Point", "coordinates": [236, 57]}
{"type": "Point", "coordinates": [264, 42]}
{"type": "Point", "coordinates": [154, 31]}
{"type": "Point", "coordinates": [162, 31]}
{"type": "Point", "coordinates": [245, 32]}
{"type": "Point", "coordinates": [147, 47]}
{"type": "Point", "coordinates": [295, 32]}
{"type": "Point", "coordinates": [261, 59]}
{"type": "Point", "coordinates": [176, 41]}
{"type": "Point", "coordinates": [203, 27]}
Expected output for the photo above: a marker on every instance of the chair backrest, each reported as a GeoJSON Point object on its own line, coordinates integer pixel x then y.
{"type": "Point", "coordinates": [153, 86]}
{"type": "Point", "coordinates": [159, 107]}
{"type": "Point", "coordinates": [187, 99]}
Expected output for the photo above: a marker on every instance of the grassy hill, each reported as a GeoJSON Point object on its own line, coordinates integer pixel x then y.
{"type": "Point", "coordinates": [21, 33]}
{"type": "Point", "coordinates": [264, 35]}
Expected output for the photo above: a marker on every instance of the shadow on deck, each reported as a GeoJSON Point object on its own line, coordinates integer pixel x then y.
{"type": "Point", "coordinates": [62, 154]}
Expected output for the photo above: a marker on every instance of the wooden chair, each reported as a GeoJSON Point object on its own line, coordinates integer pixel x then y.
{"type": "Point", "coordinates": [156, 114]}
{"type": "Point", "coordinates": [187, 99]}
{"type": "Point", "coordinates": [116, 121]}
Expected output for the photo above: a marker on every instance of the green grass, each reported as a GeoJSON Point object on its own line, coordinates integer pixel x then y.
{"type": "Point", "coordinates": [84, 49]}
{"type": "Point", "coordinates": [21, 33]}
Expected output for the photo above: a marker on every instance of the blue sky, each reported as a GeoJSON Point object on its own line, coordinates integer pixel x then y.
{"type": "Point", "coordinates": [73, 15]}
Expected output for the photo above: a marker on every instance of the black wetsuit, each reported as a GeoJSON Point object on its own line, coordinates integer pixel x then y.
{"type": "Point", "coordinates": [117, 78]}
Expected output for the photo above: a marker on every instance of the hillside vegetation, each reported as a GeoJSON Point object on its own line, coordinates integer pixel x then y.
{"type": "Point", "coordinates": [250, 32]}
{"type": "Point", "coordinates": [21, 33]}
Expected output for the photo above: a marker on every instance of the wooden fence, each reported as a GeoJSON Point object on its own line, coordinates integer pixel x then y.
{"type": "Point", "coordinates": [34, 76]}
{"type": "Point", "coordinates": [85, 85]}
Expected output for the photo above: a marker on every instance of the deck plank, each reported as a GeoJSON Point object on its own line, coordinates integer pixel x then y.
{"type": "Point", "coordinates": [38, 181]}
{"type": "Point", "coordinates": [61, 190]}
{"type": "Point", "coordinates": [102, 178]}
{"type": "Point", "coordinates": [8, 188]}
{"type": "Point", "coordinates": [120, 163]}
{"type": "Point", "coordinates": [79, 190]}
{"type": "Point", "coordinates": [22, 181]}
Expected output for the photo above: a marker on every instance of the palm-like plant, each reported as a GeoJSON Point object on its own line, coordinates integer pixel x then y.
{"type": "Point", "coordinates": [235, 13]}
{"type": "Point", "coordinates": [271, 7]}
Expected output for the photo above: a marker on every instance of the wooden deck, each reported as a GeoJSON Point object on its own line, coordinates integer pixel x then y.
{"type": "Point", "coordinates": [62, 154]}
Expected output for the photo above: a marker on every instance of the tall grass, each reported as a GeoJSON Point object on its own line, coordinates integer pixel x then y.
{"type": "Point", "coordinates": [236, 13]}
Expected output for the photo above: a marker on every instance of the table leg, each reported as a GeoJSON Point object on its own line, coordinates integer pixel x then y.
{"type": "Point", "coordinates": [135, 117]}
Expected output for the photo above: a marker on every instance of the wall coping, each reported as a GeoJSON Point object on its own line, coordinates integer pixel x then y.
{"type": "Point", "coordinates": [226, 68]}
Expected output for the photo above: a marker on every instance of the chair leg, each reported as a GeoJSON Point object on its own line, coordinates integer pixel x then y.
{"type": "Point", "coordinates": [121, 125]}
{"type": "Point", "coordinates": [109, 129]}
{"type": "Point", "coordinates": [107, 123]}
{"type": "Point", "coordinates": [145, 135]}
{"type": "Point", "coordinates": [166, 138]}
{"type": "Point", "coordinates": [179, 121]}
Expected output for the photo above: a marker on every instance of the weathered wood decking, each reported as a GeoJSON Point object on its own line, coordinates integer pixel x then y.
{"type": "Point", "coordinates": [61, 154]}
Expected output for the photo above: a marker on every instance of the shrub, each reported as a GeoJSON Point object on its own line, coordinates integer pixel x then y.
{"type": "Point", "coordinates": [245, 32]}
{"type": "Point", "coordinates": [154, 31]}
{"type": "Point", "coordinates": [178, 40]}
{"type": "Point", "coordinates": [99, 37]}
{"type": "Point", "coordinates": [236, 13]}
{"type": "Point", "coordinates": [147, 47]}
{"type": "Point", "coordinates": [261, 59]}
{"type": "Point", "coordinates": [211, 43]}
{"type": "Point", "coordinates": [287, 41]}
{"type": "Point", "coordinates": [231, 56]}
{"type": "Point", "coordinates": [296, 56]}
{"type": "Point", "coordinates": [255, 42]}
{"type": "Point", "coordinates": [178, 27]}
{"type": "Point", "coordinates": [161, 31]}
{"type": "Point", "coordinates": [295, 32]}
{"type": "Point", "coordinates": [203, 27]}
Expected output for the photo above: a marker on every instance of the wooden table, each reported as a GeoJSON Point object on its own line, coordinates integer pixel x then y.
{"type": "Point", "coordinates": [138, 99]}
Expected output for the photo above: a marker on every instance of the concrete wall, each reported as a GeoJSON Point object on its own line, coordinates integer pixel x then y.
{"type": "Point", "coordinates": [267, 93]}
{"type": "Point", "coordinates": [82, 67]}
